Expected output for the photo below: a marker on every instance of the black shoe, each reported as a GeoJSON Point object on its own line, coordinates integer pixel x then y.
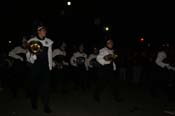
{"type": "Point", "coordinates": [47, 110]}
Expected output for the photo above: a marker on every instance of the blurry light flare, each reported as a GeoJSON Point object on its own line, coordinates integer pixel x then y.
{"type": "Point", "coordinates": [142, 39]}
{"type": "Point", "coordinates": [107, 28]}
{"type": "Point", "coordinates": [10, 42]}
{"type": "Point", "coordinates": [68, 3]}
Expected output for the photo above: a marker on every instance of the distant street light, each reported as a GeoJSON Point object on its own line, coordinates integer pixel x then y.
{"type": "Point", "coordinates": [106, 28]}
{"type": "Point", "coordinates": [69, 3]}
{"type": "Point", "coordinates": [10, 42]}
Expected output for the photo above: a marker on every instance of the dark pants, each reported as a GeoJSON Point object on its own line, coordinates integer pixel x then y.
{"type": "Point", "coordinates": [59, 80]}
{"type": "Point", "coordinates": [159, 80]}
{"type": "Point", "coordinates": [39, 85]}
{"type": "Point", "coordinates": [106, 78]}
{"type": "Point", "coordinates": [92, 78]}
{"type": "Point", "coordinates": [80, 79]}
{"type": "Point", "coordinates": [18, 77]}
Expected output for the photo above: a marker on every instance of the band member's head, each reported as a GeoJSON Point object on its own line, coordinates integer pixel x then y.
{"type": "Point", "coordinates": [162, 55]}
{"type": "Point", "coordinates": [63, 46]}
{"type": "Point", "coordinates": [81, 48]}
{"type": "Point", "coordinates": [41, 32]}
{"type": "Point", "coordinates": [95, 50]}
{"type": "Point", "coordinates": [109, 43]}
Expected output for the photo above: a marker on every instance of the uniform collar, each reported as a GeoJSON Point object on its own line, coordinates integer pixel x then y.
{"type": "Point", "coordinates": [40, 38]}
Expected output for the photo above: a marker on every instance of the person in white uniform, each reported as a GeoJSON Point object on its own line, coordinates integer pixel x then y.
{"type": "Point", "coordinates": [106, 76]}
{"type": "Point", "coordinates": [18, 54]}
{"type": "Point", "coordinates": [60, 68]}
{"type": "Point", "coordinates": [160, 75]}
{"type": "Point", "coordinates": [41, 65]}
{"type": "Point", "coordinates": [91, 61]}
{"type": "Point", "coordinates": [79, 62]}
{"type": "Point", "coordinates": [93, 66]}
{"type": "Point", "coordinates": [59, 54]}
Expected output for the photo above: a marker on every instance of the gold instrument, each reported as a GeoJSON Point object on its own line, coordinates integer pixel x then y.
{"type": "Point", "coordinates": [35, 47]}
{"type": "Point", "coordinates": [110, 57]}
{"type": "Point", "coordinates": [59, 61]}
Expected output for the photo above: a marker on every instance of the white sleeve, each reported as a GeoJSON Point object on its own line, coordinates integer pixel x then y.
{"type": "Point", "coordinates": [72, 60]}
{"type": "Point", "coordinates": [55, 53]}
{"type": "Point", "coordinates": [13, 53]}
{"type": "Point", "coordinates": [100, 58]}
{"type": "Point", "coordinates": [161, 64]}
{"type": "Point", "coordinates": [88, 61]}
{"type": "Point", "coordinates": [114, 66]}
{"type": "Point", "coordinates": [86, 64]}
{"type": "Point", "coordinates": [30, 57]}
{"type": "Point", "coordinates": [50, 57]}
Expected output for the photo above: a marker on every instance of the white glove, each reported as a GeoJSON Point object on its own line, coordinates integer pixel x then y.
{"type": "Point", "coordinates": [33, 58]}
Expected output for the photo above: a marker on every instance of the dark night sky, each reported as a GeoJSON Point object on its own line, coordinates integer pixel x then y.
{"type": "Point", "coordinates": [127, 20]}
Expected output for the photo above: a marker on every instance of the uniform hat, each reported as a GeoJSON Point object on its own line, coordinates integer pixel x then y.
{"type": "Point", "coordinates": [109, 41]}
{"type": "Point", "coordinates": [81, 46]}
{"type": "Point", "coordinates": [63, 45]}
{"type": "Point", "coordinates": [39, 28]}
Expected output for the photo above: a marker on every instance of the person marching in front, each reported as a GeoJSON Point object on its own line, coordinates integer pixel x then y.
{"type": "Point", "coordinates": [105, 74]}
{"type": "Point", "coordinates": [40, 57]}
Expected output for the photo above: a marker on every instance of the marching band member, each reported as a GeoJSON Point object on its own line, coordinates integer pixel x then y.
{"type": "Point", "coordinates": [161, 70]}
{"type": "Point", "coordinates": [106, 59]}
{"type": "Point", "coordinates": [91, 61]}
{"type": "Point", "coordinates": [61, 53]}
{"type": "Point", "coordinates": [59, 59]}
{"type": "Point", "coordinates": [93, 67]}
{"type": "Point", "coordinates": [40, 57]}
{"type": "Point", "coordinates": [18, 54]}
{"type": "Point", "coordinates": [17, 51]}
{"type": "Point", "coordinates": [79, 61]}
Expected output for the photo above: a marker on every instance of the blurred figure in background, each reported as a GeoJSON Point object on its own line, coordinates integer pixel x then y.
{"type": "Point", "coordinates": [59, 59]}
{"type": "Point", "coordinates": [79, 62]}
{"type": "Point", "coordinates": [93, 67]}
{"type": "Point", "coordinates": [19, 67]}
